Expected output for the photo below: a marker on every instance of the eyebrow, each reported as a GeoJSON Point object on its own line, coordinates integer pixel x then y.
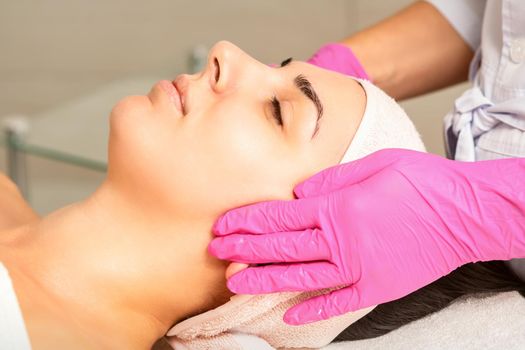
{"type": "Point", "coordinates": [307, 89]}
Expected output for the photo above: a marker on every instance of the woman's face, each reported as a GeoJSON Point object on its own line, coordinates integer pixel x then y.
{"type": "Point", "coordinates": [238, 132]}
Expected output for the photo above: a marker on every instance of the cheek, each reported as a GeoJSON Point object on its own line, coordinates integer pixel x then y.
{"type": "Point", "coordinates": [205, 164]}
{"type": "Point", "coordinates": [240, 138]}
{"type": "Point", "coordinates": [243, 157]}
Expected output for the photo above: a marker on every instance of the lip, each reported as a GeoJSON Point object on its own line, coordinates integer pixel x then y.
{"type": "Point", "coordinates": [182, 84]}
{"type": "Point", "coordinates": [173, 93]}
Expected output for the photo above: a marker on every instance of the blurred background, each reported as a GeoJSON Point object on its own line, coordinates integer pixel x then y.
{"type": "Point", "coordinates": [64, 63]}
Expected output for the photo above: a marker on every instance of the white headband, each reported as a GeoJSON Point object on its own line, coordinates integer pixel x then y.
{"type": "Point", "coordinates": [384, 125]}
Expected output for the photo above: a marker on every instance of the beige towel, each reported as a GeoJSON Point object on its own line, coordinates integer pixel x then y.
{"type": "Point", "coordinates": [260, 316]}
{"type": "Point", "coordinates": [255, 322]}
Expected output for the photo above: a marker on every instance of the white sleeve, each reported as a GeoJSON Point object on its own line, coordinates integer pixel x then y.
{"type": "Point", "coordinates": [466, 16]}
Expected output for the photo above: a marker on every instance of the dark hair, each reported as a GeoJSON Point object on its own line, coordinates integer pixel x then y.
{"type": "Point", "coordinates": [482, 277]}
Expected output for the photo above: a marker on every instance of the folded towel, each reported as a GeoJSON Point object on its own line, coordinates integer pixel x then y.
{"type": "Point", "coordinates": [255, 322]}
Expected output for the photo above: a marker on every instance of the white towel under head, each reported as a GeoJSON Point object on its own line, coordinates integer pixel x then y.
{"type": "Point", "coordinates": [256, 322]}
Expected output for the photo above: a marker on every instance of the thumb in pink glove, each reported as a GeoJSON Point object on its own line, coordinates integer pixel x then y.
{"type": "Point", "coordinates": [338, 58]}
{"type": "Point", "coordinates": [382, 226]}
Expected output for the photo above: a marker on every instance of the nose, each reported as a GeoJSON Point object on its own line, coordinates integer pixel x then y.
{"type": "Point", "coordinates": [229, 67]}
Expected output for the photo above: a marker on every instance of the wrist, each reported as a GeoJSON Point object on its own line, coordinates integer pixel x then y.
{"type": "Point", "coordinates": [496, 208]}
{"type": "Point", "coordinates": [381, 71]}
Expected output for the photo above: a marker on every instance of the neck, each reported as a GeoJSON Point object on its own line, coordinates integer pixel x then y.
{"type": "Point", "coordinates": [112, 263]}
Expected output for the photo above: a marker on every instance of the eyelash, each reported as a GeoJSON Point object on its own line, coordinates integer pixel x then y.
{"type": "Point", "coordinates": [286, 62]}
{"type": "Point", "coordinates": [276, 106]}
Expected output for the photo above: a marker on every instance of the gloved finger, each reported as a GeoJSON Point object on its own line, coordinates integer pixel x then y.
{"type": "Point", "coordinates": [338, 58]}
{"type": "Point", "coordinates": [285, 278]}
{"type": "Point", "coordinates": [267, 217]}
{"type": "Point", "coordinates": [286, 247]}
{"type": "Point", "coordinates": [344, 175]}
{"type": "Point", "coordinates": [324, 306]}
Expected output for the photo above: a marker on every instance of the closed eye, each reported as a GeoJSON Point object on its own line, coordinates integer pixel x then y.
{"type": "Point", "coordinates": [276, 111]}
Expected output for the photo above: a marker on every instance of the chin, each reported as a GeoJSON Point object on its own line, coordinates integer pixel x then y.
{"type": "Point", "coordinates": [129, 109]}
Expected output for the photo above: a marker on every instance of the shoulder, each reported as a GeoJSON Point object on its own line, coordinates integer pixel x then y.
{"type": "Point", "coordinates": [14, 209]}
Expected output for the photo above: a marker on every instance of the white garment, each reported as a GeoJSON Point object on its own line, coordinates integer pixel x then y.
{"type": "Point", "coordinates": [465, 16]}
{"type": "Point", "coordinates": [488, 120]}
{"type": "Point", "coordinates": [13, 334]}
{"type": "Point", "coordinates": [256, 322]}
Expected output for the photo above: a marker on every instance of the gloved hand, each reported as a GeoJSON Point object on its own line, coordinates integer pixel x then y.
{"type": "Point", "coordinates": [382, 226]}
{"type": "Point", "coordinates": [338, 58]}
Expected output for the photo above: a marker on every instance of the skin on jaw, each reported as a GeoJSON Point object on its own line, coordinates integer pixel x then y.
{"type": "Point", "coordinates": [132, 259]}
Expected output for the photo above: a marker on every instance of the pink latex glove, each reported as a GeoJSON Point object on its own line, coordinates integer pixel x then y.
{"type": "Point", "coordinates": [383, 226]}
{"type": "Point", "coordinates": [338, 58]}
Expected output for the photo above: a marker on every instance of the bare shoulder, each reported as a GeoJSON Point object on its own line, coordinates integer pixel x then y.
{"type": "Point", "coordinates": [14, 209]}
{"type": "Point", "coordinates": [6, 183]}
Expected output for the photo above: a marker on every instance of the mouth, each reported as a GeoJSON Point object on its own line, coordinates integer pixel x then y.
{"type": "Point", "coordinates": [174, 93]}
{"type": "Point", "coordinates": [181, 85]}
{"type": "Point", "coordinates": [181, 96]}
